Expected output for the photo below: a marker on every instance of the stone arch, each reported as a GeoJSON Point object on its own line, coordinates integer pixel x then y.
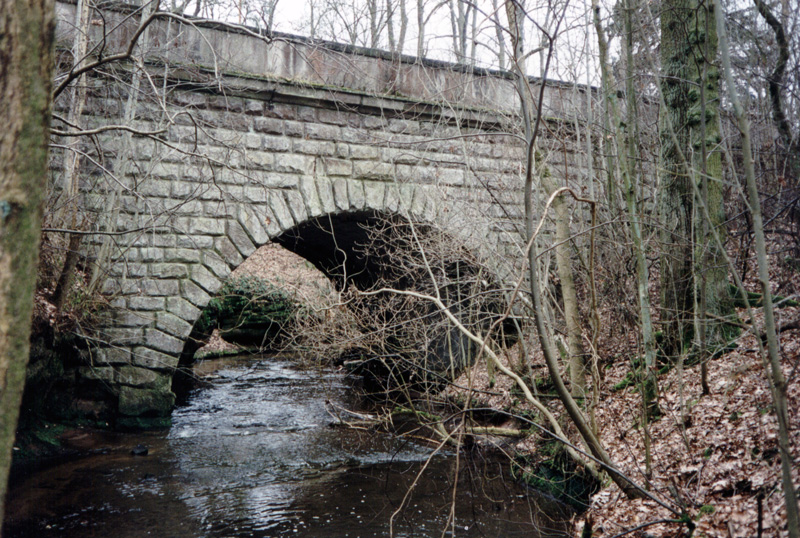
{"type": "Point", "coordinates": [145, 333]}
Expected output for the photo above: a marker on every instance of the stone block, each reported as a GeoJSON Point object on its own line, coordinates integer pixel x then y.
{"type": "Point", "coordinates": [340, 193]}
{"type": "Point", "coordinates": [122, 337]}
{"type": "Point", "coordinates": [257, 194]}
{"type": "Point", "coordinates": [129, 270]}
{"type": "Point", "coordinates": [325, 191]}
{"type": "Point", "coordinates": [253, 107]}
{"type": "Point", "coordinates": [342, 150]}
{"type": "Point", "coordinates": [159, 287]}
{"type": "Point", "coordinates": [306, 114]}
{"type": "Point", "coordinates": [228, 252]}
{"type": "Point", "coordinates": [252, 141]}
{"type": "Point", "coordinates": [293, 128]}
{"type": "Point", "coordinates": [268, 125]}
{"type": "Point", "coordinates": [181, 255]}
{"type": "Point", "coordinates": [168, 270]}
{"type": "Point", "coordinates": [190, 99]}
{"type": "Point", "coordinates": [134, 376]}
{"type": "Point", "coordinates": [151, 254]}
{"type": "Point", "coordinates": [135, 402]}
{"type": "Point", "coordinates": [126, 318]}
{"type": "Point", "coordinates": [110, 356]}
{"type": "Point", "coordinates": [173, 325]}
{"type": "Point", "coordinates": [450, 176]}
{"type": "Point", "coordinates": [260, 160]}
{"type": "Point", "coordinates": [364, 152]}
{"type": "Point", "coordinates": [392, 200]}
{"type": "Point", "coordinates": [224, 102]}
{"type": "Point", "coordinates": [240, 239]}
{"type": "Point", "coordinates": [183, 309]}
{"type": "Point", "coordinates": [276, 143]}
{"type": "Point", "coordinates": [184, 190]}
{"type": "Point", "coordinates": [374, 193]}
{"type": "Point", "coordinates": [146, 304]}
{"type": "Point", "coordinates": [316, 131]}
{"type": "Point", "coordinates": [161, 341]}
{"type": "Point", "coordinates": [373, 170]}
{"type": "Point", "coordinates": [355, 192]}
{"type": "Point", "coordinates": [334, 117]}
{"type": "Point", "coordinates": [308, 190]}
{"type": "Point", "coordinates": [195, 242]}
{"type": "Point", "coordinates": [375, 122]}
{"type": "Point", "coordinates": [280, 210]}
{"type": "Point", "coordinates": [214, 262]}
{"type": "Point", "coordinates": [294, 164]}
{"type": "Point", "coordinates": [337, 167]}
{"type": "Point", "coordinates": [205, 226]}
{"type": "Point", "coordinates": [297, 206]}
{"type": "Point", "coordinates": [280, 110]}
{"type": "Point", "coordinates": [194, 294]}
{"type": "Point", "coordinates": [104, 374]}
{"type": "Point", "coordinates": [204, 278]}
{"type": "Point", "coordinates": [257, 223]}
{"type": "Point", "coordinates": [314, 147]}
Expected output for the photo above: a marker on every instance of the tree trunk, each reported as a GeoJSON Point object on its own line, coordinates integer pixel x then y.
{"type": "Point", "coordinates": [688, 44]}
{"type": "Point", "coordinates": [772, 364]}
{"type": "Point", "coordinates": [26, 73]}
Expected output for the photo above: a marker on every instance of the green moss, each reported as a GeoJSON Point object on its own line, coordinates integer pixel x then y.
{"type": "Point", "coordinates": [250, 311]}
{"type": "Point", "coordinates": [705, 510]}
{"type": "Point", "coordinates": [556, 476]}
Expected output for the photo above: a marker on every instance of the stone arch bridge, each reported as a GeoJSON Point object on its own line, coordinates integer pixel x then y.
{"type": "Point", "coordinates": [240, 140]}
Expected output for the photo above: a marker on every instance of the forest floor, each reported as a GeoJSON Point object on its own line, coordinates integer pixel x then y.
{"type": "Point", "coordinates": [715, 454]}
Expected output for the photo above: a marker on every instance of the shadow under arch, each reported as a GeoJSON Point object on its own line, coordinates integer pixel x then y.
{"type": "Point", "coordinates": [371, 248]}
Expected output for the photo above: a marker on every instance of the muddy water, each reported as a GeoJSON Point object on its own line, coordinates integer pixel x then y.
{"type": "Point", "coordinates": [254, 455]}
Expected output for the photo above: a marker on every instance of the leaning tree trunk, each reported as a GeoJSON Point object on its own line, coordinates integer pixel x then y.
{"type": "Point", "coordinates": [26, 70]}
{"type": "Point", "coordinates": [690, 87]}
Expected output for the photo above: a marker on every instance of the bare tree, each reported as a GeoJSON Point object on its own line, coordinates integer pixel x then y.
{"type": "Point", "coordinates": [26, 45]}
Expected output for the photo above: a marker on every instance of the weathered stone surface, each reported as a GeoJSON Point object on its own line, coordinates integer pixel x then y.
{"type": "Point", "coordinates": [110, 356]}
{"type": "Point", "coordinates": [146, 303]}
{"type": "Point", "coordinates": [161, 341]}
{"type": "Point", "coordinates": [340, 196]}
{"type": "Point", "coordinates": [183, 309]}
{"type": "Point", "coordinates": [168, 270]}
{"type": "Point", "coordinates": [228, 252]}
{"type": "Point", "coordinates": [240, 239]}
{"type": "Point", "coordinates": [373, 170]}
{"type": "Point", "coordinates": [173, 325]}
{"type": "Point", "coordinates": [338, 167]}
{"type": "Point", "coordinates": [136, 402]}
{"type": "Point", "coordinates": [268, 125]}
{"type": "Point", "coordinates": [214, 262]}
{"type": "Point", "coordinates": [205, 278]}
{"type": "Point", "coordinates": [259, 223]}
{"type": "Point", "coordinates": [194, 294]}
{"type": "Point", "coordinates": [135, 376]}
{"type": "Point", "coordinates": [122, 337]}
{"type": "Point", "coordinates": [126, 318]}
{"type": "Point", "coordinates": [355, 193]}
{"type": "Point", "coordinates": [159, 287]}
{"type": "Point", "coordinates": [374, 193]}
{"type": "Point", "coordinates": [280, 210]}
{"type": "Point", "coordinates": [97, 373]}
{"type": "Point", "coordinates": [326, 197]}
{"type": "Point", "coordinates": [308, 190]}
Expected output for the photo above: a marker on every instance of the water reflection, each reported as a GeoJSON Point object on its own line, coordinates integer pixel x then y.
{"type": "Point", "coordinates": [254, 455]}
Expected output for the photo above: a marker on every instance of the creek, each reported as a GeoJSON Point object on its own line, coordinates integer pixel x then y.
{"type": "Point", "coordinates": [254, 454]}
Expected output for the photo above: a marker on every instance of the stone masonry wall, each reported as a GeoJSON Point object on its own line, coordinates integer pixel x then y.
{"type": "Point", "coordinates": [224, 163]}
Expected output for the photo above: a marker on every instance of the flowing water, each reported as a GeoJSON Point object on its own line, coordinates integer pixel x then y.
{"type": "Point", "coordinates": [254, 455]}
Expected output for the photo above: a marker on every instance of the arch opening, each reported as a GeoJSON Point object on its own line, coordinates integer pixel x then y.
{"type": "Point", "coordinates": [397, 341]}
